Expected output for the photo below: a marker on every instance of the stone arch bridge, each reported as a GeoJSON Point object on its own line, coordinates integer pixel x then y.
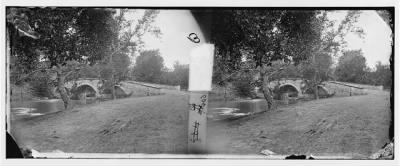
{"type": "Point", "coordinates": [126, 88]}
{"type": "Point", "coordinates": [93, 84]}
{"type": "Point", "coordinates": [295, 86]}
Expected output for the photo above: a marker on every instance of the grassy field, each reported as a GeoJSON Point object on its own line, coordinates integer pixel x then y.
{"type": "Point", "coordinates": [154, 124]}
{"type": "Point", "coordinates": [354, 126]}
{"type": "Point", "coordinates": [351, 126]}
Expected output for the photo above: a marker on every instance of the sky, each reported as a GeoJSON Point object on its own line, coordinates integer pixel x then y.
{"type": "Point", "coordinates": [376, 45]}
{"type": "Point", "coordinates": [175, 26]}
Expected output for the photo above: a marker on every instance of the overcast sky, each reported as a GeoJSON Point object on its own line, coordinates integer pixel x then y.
{"type": "Point", "coordinates": [376, 45]}
{"type": "Point", "coordinates": [177, 24]}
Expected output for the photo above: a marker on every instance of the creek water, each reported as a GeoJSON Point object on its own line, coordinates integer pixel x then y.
{"type": "Point", "coordinates": [219, 110]}
{"type": "Point", "coordinates": [236, 109]}
{"type": "Point", "coordinates": [233, 109]}
{"type": "Point", "coordinates": [27, 109]}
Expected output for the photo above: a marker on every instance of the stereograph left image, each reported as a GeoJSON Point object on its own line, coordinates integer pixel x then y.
{"type": "Point", "coordinates": [265, 83]}
{"type": "Point", "coordinates": [98, 80]}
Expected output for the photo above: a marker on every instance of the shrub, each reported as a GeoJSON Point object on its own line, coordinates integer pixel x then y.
{"type": "Point", "coordinates": [41, 86]}
{"type": "Point", "coordinates": [243, 85]}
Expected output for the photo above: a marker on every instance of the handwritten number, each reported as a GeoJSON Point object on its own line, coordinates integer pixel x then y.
{"type": "Point", "coordinates": [195, 133]}
{"type": "Point", "coordinates": [199, 108]}
{"type": "Point", "coordinates": [193, 37]}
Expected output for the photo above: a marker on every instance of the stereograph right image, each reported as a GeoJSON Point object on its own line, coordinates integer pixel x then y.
{"type": "Point", "coordinates": [260, 83]}
{"type": "Point", "coordinates": [302, 84]}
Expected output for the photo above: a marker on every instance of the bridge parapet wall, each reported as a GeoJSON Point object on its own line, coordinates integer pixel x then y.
{"type": "Point", "coordinates": [344, 89]}
{"type": "Point", "coordinates": [141, 90]}
{"type": "Point", "coordinates": [365, 86]}
{"type": "Point", "coordinates": [171, 87]}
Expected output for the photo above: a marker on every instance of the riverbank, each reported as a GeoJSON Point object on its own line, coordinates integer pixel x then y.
{"type": "Point", "coordinates": [356, 125]}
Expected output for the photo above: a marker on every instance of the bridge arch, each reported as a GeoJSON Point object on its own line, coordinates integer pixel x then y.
{"type": "Point", "coordinates": [121, 91]}
{"type": "Point", "coordinates": [323, 91]}
{"type": "Point", "coordinates": [84, 86]}
{"type": "Point", "coordinates": [293, 90]}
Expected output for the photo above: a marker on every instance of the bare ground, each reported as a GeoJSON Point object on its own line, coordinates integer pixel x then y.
{"type": "Point", "coordinates": [356, 125]}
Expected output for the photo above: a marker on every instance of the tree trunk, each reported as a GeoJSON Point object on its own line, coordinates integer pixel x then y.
{"type": "Point", "coordinates": [225, 93]}
{"type": "Point", "coordinates": [316, 95]}
{"type": "Point", "coordinates": [314, 81]}
{"type": "Point", "coordinates": [267, 92]}
{"type": "Point", "coordinates": [61, 88]}
{"type": "Point", "coordinates": [112, 86]}
{"type": "Point", "coordinates": [22, 93]}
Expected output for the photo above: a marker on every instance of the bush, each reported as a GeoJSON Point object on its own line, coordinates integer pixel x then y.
{"type": "Point", "coordinates": [243, 85]}
{"type": "Point", "coordinates": [41, 86]}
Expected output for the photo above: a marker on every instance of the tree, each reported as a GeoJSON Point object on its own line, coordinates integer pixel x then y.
{"type": "Point", "coordinates": [243, 84]}
{"type": "Point", "coordinates": [323, 65]}
{"type": "Point", "coordinates": [329, 43]}
{"type": "Point", "coordinates": [320, 71]}
{"type": "Point", "coordinates": [112, 73]}
{"type": "Point", "coordinates": [291, 71]}
{"type": "Point", "coordinates": [351, 66]}
{"type": "Point", "coordinates": [41, 85]}
{"type": "Point", "coordinates": [178, 76]}
{"type": "Point", "coordinates": [90, 71]}
{"type": "Point", "coordinates": [382, 75]}
{"type": "Point", "coordinates": [121, 63]}
{"type": "Point", "coordinates": [128, 41]}
{"type": "Point", "coordinates": [73, 34]}
{"type": "Point", "coordinates": [115, 68]}
{"type": "Point", "coordinates": [262, 36]}
{"type": "Point", "coordinates": [387, 16]}
{"type": "Point", "coordinates": [20, 42]}
{"type": "Point", "coordinates": [149, 66]}
{"type": "Point", "coordinates": [181, 75]}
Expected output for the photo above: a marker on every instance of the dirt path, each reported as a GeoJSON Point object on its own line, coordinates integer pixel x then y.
{"type": "Point", "coordinates": [144, 125]}
{"type": "Point", "coordinates": [355, 126]}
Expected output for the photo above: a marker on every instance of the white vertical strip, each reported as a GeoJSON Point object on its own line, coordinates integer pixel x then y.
{"type": "Point", "coordinates": [197, 122]}
{"type": "Point", "coordinates": [200, 74]}
{"type": "Point", "coordinates": [201, 64]}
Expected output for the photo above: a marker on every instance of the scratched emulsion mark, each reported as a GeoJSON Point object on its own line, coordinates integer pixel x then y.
{"type": "Point", "coordinates": [193, 37]}
{"type": "Point", "coordinates": [199, 108]}
{"type": "Point", "coordinates": [195, 133]}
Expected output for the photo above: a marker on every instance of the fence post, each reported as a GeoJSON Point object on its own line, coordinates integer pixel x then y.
{"type": "Point", "coordinates": [200, 74]}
